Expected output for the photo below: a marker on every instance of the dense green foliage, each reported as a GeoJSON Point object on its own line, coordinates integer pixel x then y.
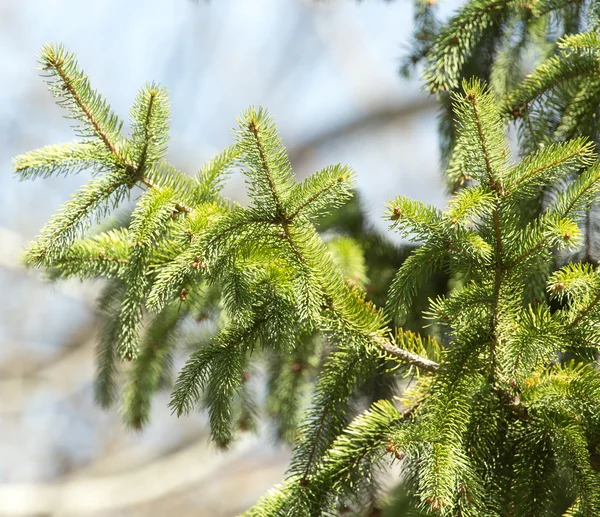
{"type": "Point", "coordinates": [500, 41]}
{"type": "Point", "coordinates": [489, 401]}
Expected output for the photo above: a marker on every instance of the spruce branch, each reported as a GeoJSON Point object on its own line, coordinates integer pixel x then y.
{"type": "Point", "coordinates": [253, 128]}
{"type": "Point", "coordinates": [586, 311]}
{"type": "Point", "coordinates": [105, 386]}
{"type": "Point", "coordinates": [549, 165]}
{"type": "Point", "coordinates": [91, 201]}
{"type": "Point", "coordinates": [457, 40]}
{"type": "Point", "coordinates": [68, 83]}
{"type": "Point", "coordinates": [150, 113]}
{"type": "Point", "coordinates": [148, 223]}
{"type": "Point", "coordinates": [498, 415]}
{"type": "Point", "coordinates": [103, 255]}
{"type": "Point", "coordinates": [150, 124]}
{"type": "Point", "coordinates": [322, 191]}
{"type": "Point", "coordinates": [268, 168]}
{"type": "Point", "coordinates": [553, 74]}
{"type": "Point", "coordinates": [63, 159]}
{"type": "Point", "coordinates": [151, 368]}
{"type": "Point", "coordinates": [344, 470]}
{"type": "Point", "coordinates": [211, 176]}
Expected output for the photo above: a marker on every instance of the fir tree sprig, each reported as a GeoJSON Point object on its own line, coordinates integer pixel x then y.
{"type": "Point", "coordinates": [494, 413]}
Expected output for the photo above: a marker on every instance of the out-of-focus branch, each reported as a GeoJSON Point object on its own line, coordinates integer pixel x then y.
{"type": "Point", "coordinates": [376, 118]}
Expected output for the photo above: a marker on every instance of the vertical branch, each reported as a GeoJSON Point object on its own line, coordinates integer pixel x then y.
{"type": "Point", "coordinates": [144, 153]}
{"type": "Point", "coordinates": [496, 186]}
{"type": "Point", "coordinates": [263, 158]}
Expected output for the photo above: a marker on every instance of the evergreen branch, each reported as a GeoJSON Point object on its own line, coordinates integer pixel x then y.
{"type": "Point", "coordinates": [222, 385]}
{"type": "Point", "coordinates": [446, 464]}
{"type": "Point", "coordinates": [345, 467]}
{"type": "Point", "coordinates": [103, 255]}
{"type": "Point", "coordinates": [457, 40]}
{"type": "Point", "coordinates": [151, 185]}
{"type": "Point", "coordinates": [552, 163]}
{"type": "Point", "coordinates": [268, 168]}
{"type": "Point", "coordinates": [569, 203]}
{"type": "Point", "coordinates": [149, 370]}
{"type": "Point", "coordinates": [344, 371]}
{"type": "Point", "coordinates": [88, 106]}
{"type": "Point", "coordinates": [496, 419]}
{"type": "Point", "coordinates": [265, 166]}
{"type": "Point", "coordinates": [543, 7]}
{"type": "Point", "coordinates": [308, 284]}
{"type": "Point", "coordinates": [349, 258]}
{"type": "Point", "coordinates": [413, 274]}
{"type": "Point", "coordinates": [164, 175]}
{"type": "Point", "coordinates": [534, 342]}
{"type": "Point", "coordinates": [471, 96]}
{"type": "Point", "coordinates": [289, 384]}
{"type": "Point", "coordinates": [470, 203]}
{"type": "Point", "coordinates": [553, 73]}
{"type": "Point", "coordinates": [585, 312]}
{"type": "Point", "coordinates": [209, 238]}
{"type": "Point", "coordinates": [498, 278]}
{"type": "Point", "coordinates": [229, 229]}
{"type": "Point", "coordinates": [480, 126]}
{"type": "Point", "coordinates": [106, 357]}
{"type": "Point", "coordinates": [580, 194]}
{"type": "Point", "coordinates": [340, 471]}
{"type": "Point", "coordinates": [146, 130]}
{"type": "Point", "coordinates": [210, 176]}
{"type": "Point", "coordinates": [62, 159]}
{"type": "Point", "coordinates": [420, 221]}
{"type": "Point", "coordinates": [535, 476]}
{"type": "Point", "coordinates": [60, 231]}
{"type": "Point", "coordinates": [100, 258]}
{"type": "Point", "coordinates": [324, 190]}
{"type": "Point", "coordinates": [574, 282]}
{"type": "Point", "coordinates": [192, 379]}
{"type": "Point", "coordinates": [577, 118]}
{"type": "Point", "coordinates": [150, 122]}
{"type": "Point", "coordinates": [571, 444]}
{"type": "Point", "coordinates": [217, 370]}
{"type": "Point", "coordinates": [574, 510]}
{"type": "Point", "coordinates": [148, 223]}
{"type": "Point", "coordinates": [383, 343]}
{"type": "Point", "coordinates": [506, 67]}
{"type": "Point", "coordinates": [582, 41]}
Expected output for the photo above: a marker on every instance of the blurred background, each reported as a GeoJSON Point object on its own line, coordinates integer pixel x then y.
{"type": "Point", "coordinates": [328, 73]}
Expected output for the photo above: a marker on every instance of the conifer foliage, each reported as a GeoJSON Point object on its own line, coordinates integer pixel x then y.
{"type": "Point", "coordinates": [500, 42]}
{"type": "Point", "coordinates": [501, 408]}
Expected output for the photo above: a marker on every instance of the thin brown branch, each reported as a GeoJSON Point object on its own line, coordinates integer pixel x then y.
{"type": "Point", "coordinates": [99, 258]}
{"type": "Point", "coordinates": [499, 270]}
{"type": "Point", "coordinates": [585, 311]}
{"type": "Point", "coordinates": [144, 154]}
{"type": "Point", "coordinates": [383, 343]}
{"type": "Point", "coordinates": [263, 159]}
{"type": "Point", "coordinates": [178, 206]}
{"type": "Point", "coordinates": [587, 72]}
{"type": "Point", "coordinates": [312, 198]}
{"type": "Point", "coordinates": [543, 167]}
{"type": "Point", "coordinates": [57, 64]}
{"type": "Point", "coordinates": [482, 140]}
{"type": "Point", "coordinates": [406, 356]}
